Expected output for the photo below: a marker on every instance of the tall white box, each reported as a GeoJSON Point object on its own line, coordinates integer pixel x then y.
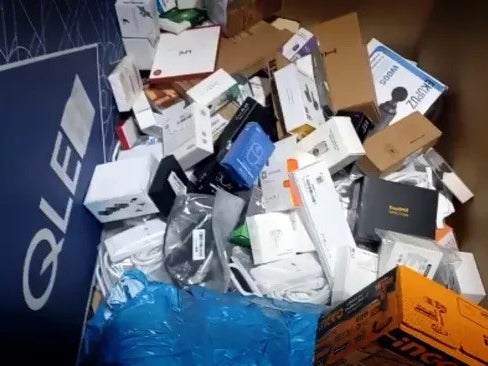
{"type": "Point", "coordinates": [138, 18]}
{"type": "Point", "coordinates": [142, 50]}
{"type": "Point", "coordinates": [126, 84]}
{"type": "Point", "coordinates": [336, 142]}
{"type": "Point", "coordinates": [189, 137]}
{"type": "Point", "coordinates": [467, 278]}
{"type": "Point", "coordinates": [119, 190]}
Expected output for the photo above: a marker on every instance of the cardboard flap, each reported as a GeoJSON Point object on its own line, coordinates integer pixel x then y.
{"type": "Point", "coordinates": [474, 332]}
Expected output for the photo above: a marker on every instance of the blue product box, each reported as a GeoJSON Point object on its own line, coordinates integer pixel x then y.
{"type": "Point", "coordinates": [248, 155]}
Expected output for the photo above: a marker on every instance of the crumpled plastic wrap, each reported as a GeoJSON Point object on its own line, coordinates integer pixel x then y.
{"type": "Point", "coordinates": [150, 323]}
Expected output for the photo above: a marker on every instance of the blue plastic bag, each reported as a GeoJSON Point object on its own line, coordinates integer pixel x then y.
{"type": "Point", "coordinates": [152, 323]}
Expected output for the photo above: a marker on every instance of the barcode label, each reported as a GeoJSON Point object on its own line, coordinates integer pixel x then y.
{"type": "Point", "coordinates": [198, 239]}
{"type": "Point", "coordinates": [176, 184]}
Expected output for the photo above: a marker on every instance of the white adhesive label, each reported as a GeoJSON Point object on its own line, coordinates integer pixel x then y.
{"type": "Point", "coordinates": [176, 184]}
{"type": "Point", "coordinates": [198, 244]}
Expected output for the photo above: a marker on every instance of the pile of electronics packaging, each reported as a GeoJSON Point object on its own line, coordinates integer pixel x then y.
{"type": "Point", "coordinates": [292, 165]}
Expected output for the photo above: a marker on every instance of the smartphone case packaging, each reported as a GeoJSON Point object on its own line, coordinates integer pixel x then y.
{"type": "Point", "coordinates": [299, 101]}
{"type": "Point", "coordinates": [142, 50]}
{"type": "Point", "coordinates": [395, 207]}
{"type": "Point", "coordinates": [468, 282]}
{"type": "Point", "coordinates": [403, 318]}
{"type": "Point", "coordinates": [170, 181]}
{"type": "Point", "coordinates": [322, 214]}
{"type": "Point", "coordinates": [248, 155]}
{"type": "Point", "coordinates": [188, 55]}
{"type": "Point", "coordinates": [215, 91]}
{"type": "Point", "coordinates": [302, 43]}
{"type": "Point", "coordinates": [138, 18]}
{"type": "Point", "coordinates": [335, 142]}
{"type": "Point", "coordinates": [126, 84]}
{"type": "Point", "coordinates": [401, 87]}
{"type": "Point", "coordinates": [189, 137]}
{"type": "Point", "coordinates": [119, 190]}
{"type": "Point", "coordinates": [397, 145]}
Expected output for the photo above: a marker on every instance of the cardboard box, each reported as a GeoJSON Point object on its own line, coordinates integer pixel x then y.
{"type": "Point", "coordinates": [467, 278]}
{"type": "Point", "coordinates": [403, 318]}
{"type": "Point", "coordinates": [138, 18]}
{"type": "Point", "coordinates": [210, 176]}
{"type": "Point", "coordinates": [249, 52]}
{"type": "Point", "coordinates": [126, 84]}
{"type": "Point", "coordinates": [119, 190]}
{"type": "Point", "coordinates": [155, 150]}
{"type": "Point", "coordinates": [166, 5]}
{"type": "Point", "coordinates": [145, 117]}
{"type": "Point", "coordinates": [361, 122]}
{"type": "Point", "coordinates": [401, 87]}
{"type": "Point", "coordinates": [189, 137]}
{"type": "Point", "coordinates": [188, 55]}
{"type": "Point", "coordinates": [302, 43]}
{"type": "Point", "coordinates": [142, 50]}
{"type": "Point", "coordinates": [335, 142]}
{"type": "Point", "coordinates": [127, 133]}
{"type": "Point", "coordinates": [322, 214]}
{"type": "Point", "coordinates": [248, 154]}
{"type": "Point", "coordinates": [346, 65]}
{"type": "Point", "coordinates": [396, 145]}
{"type": "Point", "coordinates": [299, 101]}
{"type": "Point", "coordinates": [215, 91]}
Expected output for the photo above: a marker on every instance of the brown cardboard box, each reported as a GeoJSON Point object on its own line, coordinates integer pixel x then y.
{"type": "Point", "coordinates": [396, 145]}
{"type": "Point", "coordinates": [249, 51]}
{"type": "Point", "coordinates": [347, 67]}
{"type": "Point", "coordinates": [403, 318]}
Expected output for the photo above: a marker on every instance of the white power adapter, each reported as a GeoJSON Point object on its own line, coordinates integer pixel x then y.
{"type": "Point", "coordinates": [136, 239]}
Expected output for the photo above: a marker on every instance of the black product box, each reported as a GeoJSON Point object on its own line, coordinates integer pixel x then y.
{"type": "Point", "coordinates": [396, 207]}
{"type": "Point", "coordinates": [210, 176]}
{"type": "Point", "coordinates": [361, 122]}
{"type": "Point", "coordinates": [249, 111]}
{"type": "Point", "coordinates": [169, 181]}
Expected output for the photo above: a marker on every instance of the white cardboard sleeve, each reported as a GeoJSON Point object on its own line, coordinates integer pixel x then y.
{"type": "Point", "coordinates": [119, 190]}
{"type": "Point", "coordinates": [299, 100]}
{"type": "Point", "coordinates": [189, 137]}
{"type": "Point", "coordinates": [137, 18]}
{"type": "Point", "coordinates": [214, 91]}
{"type": "Point", "coordinates": [335, 142]}
{"type": "Point", "coordinates": [322, 214]}
{"type": "Point", "coordinates": [126, 84]}
{"type": "Point", "coordinates": [190, 54]}
{"type": "Point", "coordinates": [142, 50]}
{"type": "Point", "coordinates": [467, 278]}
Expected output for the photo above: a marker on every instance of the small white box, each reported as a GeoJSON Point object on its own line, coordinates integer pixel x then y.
{"type": "Point", "coordinates": [356, 268]}
{"type": "Point", "coordinates": [119, 190]}
{"type": "Point", "coordinates": [261, 89]}
{"type": "Point", "coordinates": [137, 18]}
{"type": "Point", "coordinates": [126, 84]}
{"type": "Point", "coordinates": [142, 50]}
{"type": "Point", "coordinates": [214, 91]}
{"type": "Point", "coordinates": [145, 117]}
{"type": "Point", "coordinates": [127, 133]}
{"type": "Point", "coordinates": [336, 142]}
{"type": "Point", "coordinates": [272, 237]}
{"type": "Point", "coordinates": [322, 214]}
{"type": "Point", "coordinates": [189, 4]}
{"type": "Point", "coordinates": [167, 5]}
{"type": "Point", "coordinates": [421, 255]}
{"type": "Point", "coordinates": [188, 55]}
{"type": "Point", "coordinates": [303, 241]}
{"type": "Point", "coordinates": [154, 150]}
{"type": "Point", "coordinates": [302, 43]}
{"type": "Point", "coordinates": [189, 137]}
{"type": "Point", "coordinates": [467, 278]}
{"type": "Point", "coordinates": [299, 100]}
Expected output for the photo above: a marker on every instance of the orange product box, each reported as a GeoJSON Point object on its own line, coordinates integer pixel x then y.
{"type": "Point", "coordinates": [403, 318]}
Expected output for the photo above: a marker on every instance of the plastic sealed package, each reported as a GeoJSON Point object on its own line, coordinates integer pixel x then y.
{"type": "Point", "coordinates": [149, 323]}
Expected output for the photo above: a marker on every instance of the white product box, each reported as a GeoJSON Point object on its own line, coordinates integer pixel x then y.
{"type": "Point", "coordinates": [467, 278]}
{"type": "Point", "coordinates": [356, 268]}
{"type": "Point", "coordinates": [154, 150]}
{"type": "Point", "coordinates": [401, 87]}
{"type": "Point", "coordinates": [145, 117]}
{"type": "Point", "coordinates": [167, 5]}
{"type": "Point", "coordinates": [261, 89]}
{"type": "Point", "coordinates": [421, 255]}
{"type": "Point", "coordinates": [189, 4]}
{"type": "Point", "coordinates": [219, 123]}
{"type": "Point", "coordinates": [139, 238]}
{"type": "Point", "coordinates": [303, 42]}
{"type": "Point", "coordinates": [303, 241]}
{"type": "Point", "coordinates": [322, 214]}
{"type": "Point", "coordinates": [214, 91]}
{"type": "Point", "coordinates": [137, 18]}
{"type": "Point", "coordinates": [335, 142]}
{"type": "Point", "coordinates": [142, 51]}
{"type": "Point", "coordinates": [188, 55]}
{"type": "Point", "coordinates": [299, 100]}
{"type": "Point", "coordinates": [119, 190]}
{"type": "Point", "coordinates": [189, 137]}
{"type": "Point", "coordinates": [272, 237]}
{"type": "Point", "coordinates": [126, 84]}
{"type": "Point", "coordinates": [127, 133]}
